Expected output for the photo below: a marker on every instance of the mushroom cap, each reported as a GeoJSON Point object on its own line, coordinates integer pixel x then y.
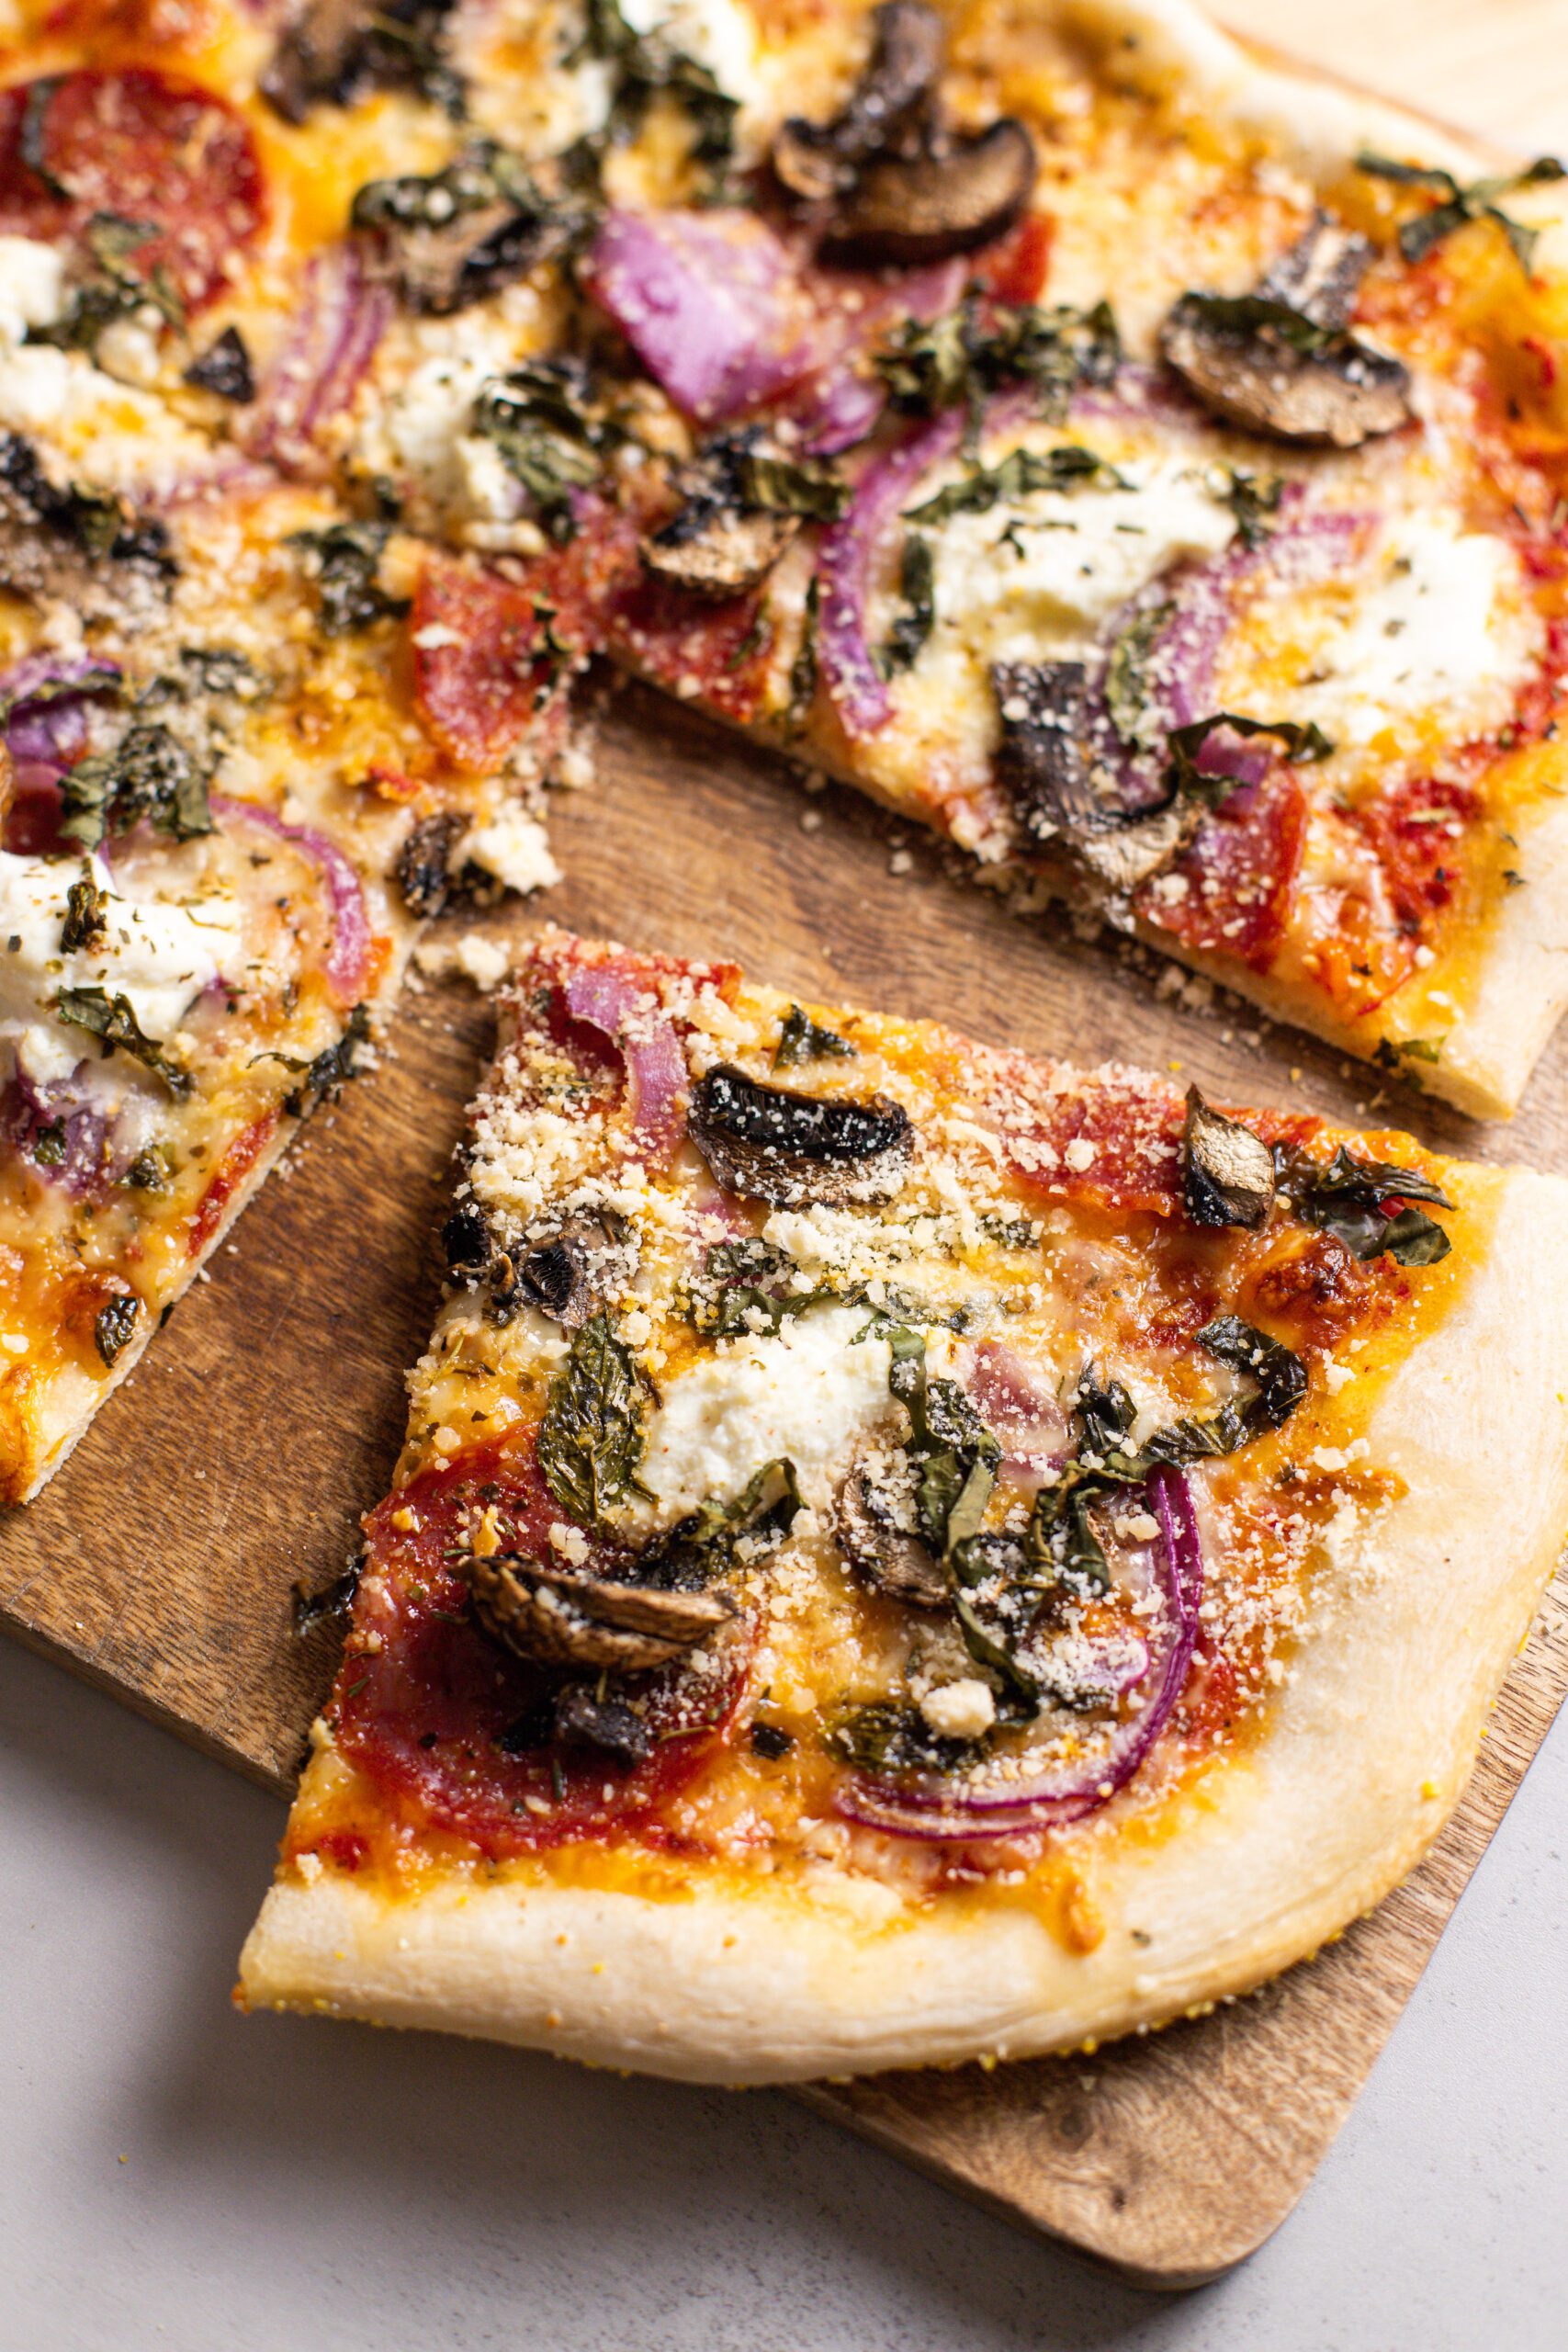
{"type": "Point", "coordinates": [788, 1149]}
{"type": "Point", "coordinates": [872, 1522]}
{"type": "Point", "coordinates": [1227, 1172]}
{"type": "Point", "coordinates": [1334, 395]}
{"type": "Point", "coordinates": [561, 1616]}
{"type": "Point", "coordinates": [924, 206]}
{"type": "Point", "coordinates": [728, 553]}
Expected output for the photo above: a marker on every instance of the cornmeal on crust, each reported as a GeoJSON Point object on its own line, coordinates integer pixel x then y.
{"type": "Point", "coordinates": [904, 1551]}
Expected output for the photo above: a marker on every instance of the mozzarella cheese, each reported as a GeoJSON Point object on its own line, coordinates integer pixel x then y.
{"type": "Point", "coordinates": [716, 33]}
{"type": "Point", "coordinates": [1034, 579]}
{"type": "Point", "coordinates": [1437, 623]}
{"type": "Point", "coordinates": [158, 954]}
{"type": "Point", "coordinates": [806, 1393]}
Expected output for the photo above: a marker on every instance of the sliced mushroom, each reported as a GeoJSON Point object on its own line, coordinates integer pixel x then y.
{"type": "Point", "coordinates": [873, 1520]}
{"type": "Point", "coordinates": [1322, 272]}
{"type": "Point", "coordinates": [567, 1277]}
{"type": "Point", "coordinates": [787, 1148]}
{"type": "Point", "coordinates": [1043, 763]}
{"type": "Point", "coordinates": [1227, 1173]}
{"type": "Point", "coordinates": [224, 369]}
{"type": "Point", "coordinates": [561, 1616]}
{"type": "Point", "coordinates": [899, 187]}
{"type": "Point", "coordinates": [1280, 360]}
{"type": "Point", "coordinates": [423, 867]}
{"type": "Point", "coordinates": [721, 553]}
{"type": "Point", "coordinates": [896, 92]}
{"type": "Point", "coordinates": [75, 545]}
{"type": "Point", "coordinates": [909, 210]}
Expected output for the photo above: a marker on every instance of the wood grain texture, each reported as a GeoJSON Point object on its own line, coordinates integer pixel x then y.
{"type": "Point", "coordinates": [239, 1455]}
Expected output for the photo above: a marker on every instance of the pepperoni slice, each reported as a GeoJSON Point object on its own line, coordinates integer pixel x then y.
{"type": "Point", "coordinates": [483, 666]}
{"type": "Point", "coordinates": [453, 1728]}
{"type": "Point", "coordinates": [1239, 871]}
{"type": "Point", "coordinates": [144, 146]}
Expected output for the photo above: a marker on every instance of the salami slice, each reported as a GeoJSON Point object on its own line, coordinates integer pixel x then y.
{"type": "Point", "coordinates": [145, 147]}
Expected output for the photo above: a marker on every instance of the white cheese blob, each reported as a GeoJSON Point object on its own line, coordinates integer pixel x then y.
{"type": "Point", "coordinates": [716, 33]}
{"type": "Point", "coordinates": [513, 847]}
{"type": "Point", "coordinates": [158, 954]}
{"type": "Point", "coordinates": [32, 286]}
{"type": "Point", "coordinates": [1435, 622]}
{"type": "Point", "coordinates": [1035, 579]}
{"type": "Point", "coordinates": [807, 1393]}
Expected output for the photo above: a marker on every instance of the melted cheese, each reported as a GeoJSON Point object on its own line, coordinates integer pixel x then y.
{"type": "Point", "coordinates": [1435, 627]}
{"type": "Point", "coordinates": [157, 953]}
{"type": "Point", "coordinates": [1035, 579]}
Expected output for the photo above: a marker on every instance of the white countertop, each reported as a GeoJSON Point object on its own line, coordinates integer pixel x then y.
{"type": "Point", "coordinates": [173, 2176]}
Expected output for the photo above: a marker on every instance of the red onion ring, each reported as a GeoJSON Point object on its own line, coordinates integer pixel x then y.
{"type": "Point", "coordinates": [856, 685]}
{"type": "Point", "coordinates": [614, 999]}
{"type": "Point", "coordinates": [54, 733]}
{"type": "Point", "coordinates": [341, 320]}
{"type": "Point", "coordinates": [926, 1808]}
{"type": "Point", "coordinates": [348, 963]}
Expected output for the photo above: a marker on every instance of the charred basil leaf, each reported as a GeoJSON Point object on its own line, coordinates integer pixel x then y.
{"type": "Point", "coordinates": [150, 774]}
{"type": "Point", "coordinates": [802, 669]}
{"type": "Point", "coordinates": [952, 1452]}
{"type": "Point", "coordinates": [887, 1738]}
{"type": "Point", "coordinates": [1068, 467]}
{"type": "Point", "coordinates": [771, 1741]}
{"type": "Point", "coordinates": [114, 1326]}
{"type": "Point", "coordinates": [113, 1018]}
{"type": "Point", "coordinates": [591, 1438]}
{"type": "Point", "coordinates": [586, 1718]}
{"type": "Point", "coordinates": [703, 1545]}
{"type": "Point", "coordinates": [1304, 745]}
{"type": "Point", "coordinates": [332, 1068]}
{"type": "Point", "coordinates": [86, 917]}
{"type": "Point", "coordinates": [549, 429]}
{"type": "Point", "coordinates": [801, 486]}
{"type": "Point", "coordinates": [743, 1287]}
{"type": "Point", "coordinates": [318, 1606]}
{"type": "Point", "coordinates": [917, 579]}
{"type": "Point", "coordinates": [1346, 1199]}
{"type": "Point", "coordinates": [151, 1170]}
{"type": "Point", "coordinates": [335, 50]}
{"type": "Point", "coordinates": [801, 1039]}
{"type": "Point", "coordinates": [348, 556]}
{"type": "Point", "coordinates": [98, 525]}
{"type": "Point", "coordinates": [1252, 499]}
{"type": "Point", "coordinates": [969, 352]}
{"type": "Point", "coordinates": [114, 288]}
{"type": "Point", "coordinates": [1281, 1375]}
{"type": "Point", "coordinates": [643, 65]}
{"type": "Point", "coordinates": [1461, 204]}
{"type": "Point", "coordinates": [1129, 689]}
{"type": "Point", "coordinates": [1227, 1173]}
{"type": "Point", "coordinates": [224, 369]}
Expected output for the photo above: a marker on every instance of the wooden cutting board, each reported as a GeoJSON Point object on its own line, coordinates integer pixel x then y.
{"type": "Point", "coordinates": [237, 1459]}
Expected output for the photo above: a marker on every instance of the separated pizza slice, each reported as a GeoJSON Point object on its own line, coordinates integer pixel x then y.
{"type": "Point", "coordinates": [904, 1551]}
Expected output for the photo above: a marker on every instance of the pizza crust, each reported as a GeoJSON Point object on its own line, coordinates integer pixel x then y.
{"type": "Point", "coordinates": [1368, 1751]}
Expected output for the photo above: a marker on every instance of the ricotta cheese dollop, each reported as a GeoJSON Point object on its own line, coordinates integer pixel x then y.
{"type": "Point", "coordinates": [806, 1392]}
{"type": "Point", "coordinates": [158, 954]}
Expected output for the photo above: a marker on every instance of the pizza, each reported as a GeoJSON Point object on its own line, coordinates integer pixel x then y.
{"type": "Point", "coordinates": [244, 752]}
{"type": "Point", "coordinates": [1142, 465]}
{"type": "Point", "coordinates": [904, 1552]}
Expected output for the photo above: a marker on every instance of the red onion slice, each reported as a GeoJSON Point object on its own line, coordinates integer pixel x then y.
{"type": "Point", "coordinates": [87, 1164]}
{"type": "Point", "coordinates": [847, 551]}
{"type": "Point", "coordinates": [614, 999]}
{"type": "Point", "coordinates": [927, 1808]}
{"type": "Point", "coordinates": [341, 320]}
{"type": "Point", "coordinates": [711, 303]}
{"type": "Point", "coordinates": [51, 732]}
{"type": "Point", "coordinates": [348, 963]}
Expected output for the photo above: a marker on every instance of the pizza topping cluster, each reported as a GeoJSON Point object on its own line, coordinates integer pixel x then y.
{"type": "Point", "coordinates": [957, 1507]}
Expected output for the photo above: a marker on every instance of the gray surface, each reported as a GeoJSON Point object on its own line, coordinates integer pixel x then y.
{"type": "Point", "coordinates": [173, 2176]}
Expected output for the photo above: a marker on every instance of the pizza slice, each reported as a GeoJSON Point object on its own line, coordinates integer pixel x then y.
{"type": "Point", "coordinates": [903, 1551]}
